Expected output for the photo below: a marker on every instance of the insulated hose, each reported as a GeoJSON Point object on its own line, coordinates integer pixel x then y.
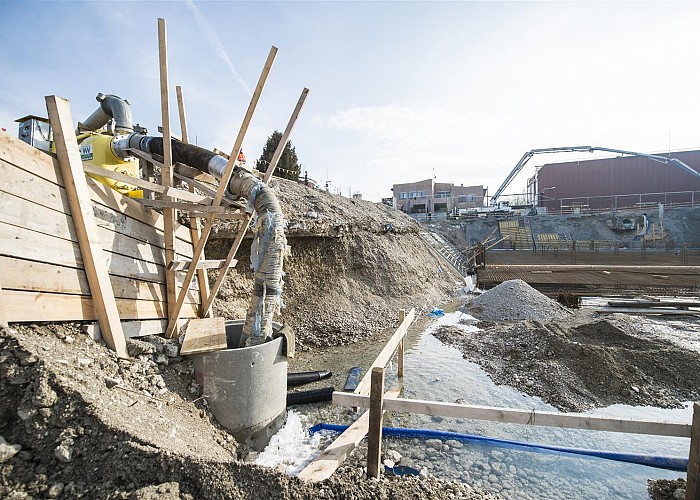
{"type": "Point", "coordinates": [679, 464]}
{"type": "Point", "coordinates": [269, 241]}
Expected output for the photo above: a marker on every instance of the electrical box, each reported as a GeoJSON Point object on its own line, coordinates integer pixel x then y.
{"type": "Point", "coordinates": [35, 131]}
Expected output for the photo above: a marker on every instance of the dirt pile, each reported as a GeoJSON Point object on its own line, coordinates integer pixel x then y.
{"type": "Point", "coordinates": [515, 300]}
{"type": "Point", "coordinates": [578, 367]}
{"type": "Point", "coordinates": [77, 422]}
{"type": "Point", "coordinates": [352, 265]}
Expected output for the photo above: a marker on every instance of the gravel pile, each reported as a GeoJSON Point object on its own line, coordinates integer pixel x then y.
{"type": "Point", "coordinates": [515, 300]}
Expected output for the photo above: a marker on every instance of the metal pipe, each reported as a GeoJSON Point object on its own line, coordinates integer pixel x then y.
{"type": "Point", "coordinates": [111, 106]}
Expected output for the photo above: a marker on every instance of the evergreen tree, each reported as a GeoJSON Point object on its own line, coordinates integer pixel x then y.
{"type": "Point", "coordinates": [288, 167]}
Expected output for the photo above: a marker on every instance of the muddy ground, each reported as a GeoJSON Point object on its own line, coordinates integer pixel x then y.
{"type": "Point", "coordinates": [77, 422]}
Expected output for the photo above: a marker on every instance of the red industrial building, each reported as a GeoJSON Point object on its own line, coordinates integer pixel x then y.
{"type": "Point", "coordinates": [615, 183]}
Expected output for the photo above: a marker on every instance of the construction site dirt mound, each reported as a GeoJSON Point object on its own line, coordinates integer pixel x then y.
{"type": "Point", "coordinates": [77, 422]}
{"type": "Point", "coordinates": [515, 300]}
{"type": "Point", "coordinates": [576, 367]}
{"type": "Point", "coordinates": [352, 265]}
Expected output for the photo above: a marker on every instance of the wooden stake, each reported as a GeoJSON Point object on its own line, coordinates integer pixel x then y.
{"type": "Point", "coordinates": [268, 174]}
{"type": "Point", "coordinates": [3, 315]}
{"type": "Point", "coordinates": [402, 318]}
{"type": "Point", "coordinates": [330, 459]}
{"type": "Point", "coordinates": [223, 186]}
{"type": "Point", "coordinates": [202, 277]}
{"type": "Point", "coordinates": [376, 418]}
{"type": "Point", "coordinates": [692, 488]}
{"type": "Point", "coordinates": [167, 173]}
{"type": "Point", "coordinates": [85, 225]}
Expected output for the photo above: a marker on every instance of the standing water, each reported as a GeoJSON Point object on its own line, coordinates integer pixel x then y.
{"type": "Point", "coordinates": [437, 372]}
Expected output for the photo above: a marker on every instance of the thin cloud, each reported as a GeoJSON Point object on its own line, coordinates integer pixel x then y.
{"type": "Point", "coordinates": [216, 44]}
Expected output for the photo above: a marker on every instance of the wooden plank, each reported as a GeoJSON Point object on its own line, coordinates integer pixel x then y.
{"type": "Point", "coordinates": [385, 355]}
{"type": "Point", "coordinates": [85, 225]}
{"type": "Point", "coordinates": [191, 207]}
{"type": "Point", "coordinates": [647, 312]}
{"type": "Point", "coordinates": [27, 275]}
{"type": "Point", "coordinates": [209, 224]}
{"type": "Point", "coordinates": [202, 264]}
{"type": "Point", "coordinates": [652, 303]}
{"type": "Point", "coordinates": [131, 328]}
{"type": "Point", "coordinates": [526, 417]}
{"type": "Point", "coordinates": [26, 244]}
{"type": "Point", "coordinates": [169, 214]}
{"type": "Point", "coordinates": [204, 335]}
{"type": "Point", "coordinates": [42, 165]}
{"type": "Point", "coordinates": [692, 489]}
{"type": "Point", "coordinates": [195, 233]}
{"type": "Point", "coordinates": [22, 213]}
{"type": "Point", "coordinates": [266, 178]}
{"type": "Point", "coordinates": [3, 314]}
{"type": "Point", "coordinates": [330, 459]}
{"type": "Point", "coordinates": [376, 418]}
{"type": "Point", "coordinates": [402, 318]}
{"type": "Point", "coordinates": [39, 306]}
{"type": "Point", "coordinates": [151, 186]}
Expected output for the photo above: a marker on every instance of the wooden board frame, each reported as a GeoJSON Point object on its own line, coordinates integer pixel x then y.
{"type": "Point", "coordinates": [84, 220]}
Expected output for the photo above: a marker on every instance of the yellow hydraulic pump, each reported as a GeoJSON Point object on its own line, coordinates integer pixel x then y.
{"type": "Point", "coordinates": [96, 149]}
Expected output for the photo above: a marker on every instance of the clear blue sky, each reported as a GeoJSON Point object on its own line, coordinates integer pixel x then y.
{"type": "Point", "coordinates": [399, 90]}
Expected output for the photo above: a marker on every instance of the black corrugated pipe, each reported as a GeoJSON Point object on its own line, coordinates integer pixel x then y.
{"type": "Point", "coordinates": [111, 106]}
{"type": "Point", "coordinates": [269, 242]}
{"type": "Point", "coordinates": [301, 378]}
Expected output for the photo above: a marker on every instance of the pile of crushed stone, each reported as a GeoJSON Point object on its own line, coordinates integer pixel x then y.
{"type": "Point", "coordinates": [515, 300]}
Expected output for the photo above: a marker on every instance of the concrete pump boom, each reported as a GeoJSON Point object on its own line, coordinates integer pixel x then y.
{"type": "Point", "coordinates": [526, 157]}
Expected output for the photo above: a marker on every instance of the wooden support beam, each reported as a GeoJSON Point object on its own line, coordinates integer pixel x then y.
{"type": "Point", "coordinates": [692, 488]}
{"type": "Point", "coordinates": [385, 355]}
{"type": "Point", "coordinates": [268, 174]}
{"type": "Point", "coordinates": [84, 221]}
{"type": "Point", "coordinates": [202, 264]}
{"type": "Point", "coordinates": [190, 207]}
{"type": "Point", "coordinates": [333, 456]}
{"type": "Point", "coordinates": [209, 224]}
{"type": "Point", "coordinates": [168, 191]}
{"type": "Point", "coordinates": [195, 233]}
{"type": "Point", "coordinates": [3, 315]}
{"type": "Point", "coordinates": [169, 215]}
{"type": "Point", "coordinates": [402, 318]}
{"type": "Point", "coordinates": [376, 418]}
{"type": "Point", "coordinates": [525, 417]}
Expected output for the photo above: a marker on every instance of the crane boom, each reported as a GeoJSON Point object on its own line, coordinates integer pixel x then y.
{"type": "Point", "coordinates": [589, 149]}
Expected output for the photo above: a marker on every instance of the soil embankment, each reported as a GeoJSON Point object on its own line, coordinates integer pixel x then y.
{"type": "Point", "coordinates": [77, 422]}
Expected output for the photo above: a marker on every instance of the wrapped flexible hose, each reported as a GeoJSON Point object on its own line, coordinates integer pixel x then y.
{"type": "Point", "coordinates": [269, 241]}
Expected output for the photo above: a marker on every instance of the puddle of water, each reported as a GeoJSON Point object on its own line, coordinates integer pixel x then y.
{"type": "Point", "coordinates": [437, 372]}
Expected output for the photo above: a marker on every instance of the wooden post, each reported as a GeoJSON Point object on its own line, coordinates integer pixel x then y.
{"type": "Point", "coordinates": [202, 277]}
{"type": "Point", "coordinates": [268, 174]}
{"type": "Point", "coordinates": [85, 226]}
{"type": "Point", "coordinates": [692, 488]}
{"type": "Point", "coordinates": [402, 317]}
{"type": "Point", "coordinates": [3, 314]}
{"type": "Point", "coordinates": [376, 417]}
{"type": "Point", "coordinates": [167, 174]}
{"type": "Point", "coordinates": [223, 185]}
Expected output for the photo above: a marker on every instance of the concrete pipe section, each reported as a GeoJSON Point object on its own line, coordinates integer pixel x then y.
{"type": "Point", "coordinates": [246, 387]}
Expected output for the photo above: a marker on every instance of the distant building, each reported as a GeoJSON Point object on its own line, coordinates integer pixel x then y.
{"type": "Point", "coordinates": [429, 196]}
{"type": "Point", "coordinates": [614, 183]}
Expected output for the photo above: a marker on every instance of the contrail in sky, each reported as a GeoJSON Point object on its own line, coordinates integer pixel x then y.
{"type": "Point", "coordinates": [216, 43]}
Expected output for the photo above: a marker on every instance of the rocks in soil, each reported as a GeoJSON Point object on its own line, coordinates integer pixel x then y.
{"type": "Point", "coordinates": [7, 451]}
{"type": "Point", "coordinates": [515, 300]}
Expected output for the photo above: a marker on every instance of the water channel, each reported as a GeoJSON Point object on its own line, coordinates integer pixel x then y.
{"type": "Point", "coordinates": [437, 372]}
